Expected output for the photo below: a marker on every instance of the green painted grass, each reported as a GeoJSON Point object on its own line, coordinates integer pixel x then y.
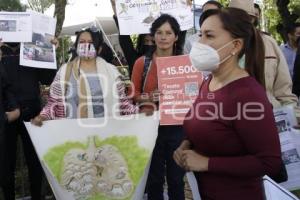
{"type": "Point", "coordinates": [135, 156]}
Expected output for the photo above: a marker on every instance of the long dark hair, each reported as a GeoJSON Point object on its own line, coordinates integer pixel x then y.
{"type": "Point", "coordinates": [238, 23]}
{"type": "Point", "coordinates": [177, 50]}
{"type": "Point", "coordinates": [96, 37]}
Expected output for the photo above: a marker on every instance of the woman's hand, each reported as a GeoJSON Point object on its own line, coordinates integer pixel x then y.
{"type": "Point", "coordinates": [55, 42]}
{"type": "Point", "coordinates": [13, 115]}
{"type": "Point", "coordinates": [149, 98]}
{"type": "Point", "coordinates": [38, 120]}
{"type": "Point", "coordinates": [192, 161]}
{"type": "Point", "coordinates": [177, 156]}
{"type": "Point", "coordinates": [189, 2]}
{"type": "Point", "coordinates": [147, 111]}
{"type": "Point", "coordinates": [154, 96]}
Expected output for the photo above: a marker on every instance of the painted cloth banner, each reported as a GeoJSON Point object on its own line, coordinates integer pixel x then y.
{"type": "Point", "coordinates": [178, 83]}
{"type": "Point", "coordinates": [136, 16]}
{"type": "Point", "coordinates": [101, 159]}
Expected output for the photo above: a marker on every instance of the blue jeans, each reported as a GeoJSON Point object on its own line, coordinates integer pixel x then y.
{"type": "Point", "coordinates": [162, 163]}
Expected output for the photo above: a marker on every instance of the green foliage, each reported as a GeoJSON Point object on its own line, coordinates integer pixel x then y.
{"type": "Point", "coordinates": [294, 7]}
{"type": "Point", "coordinates": [11, 5]}
{"type": "Point", "coordinates": [134, 39]}
{"type": "Point", "coordinates": [272, 18]}
{"type": "Point", "coordinates": [224, 2]}
{"type": "Point", "coordinates": [40, 5]}
{"type": "Point", "coordinates": [62, 55]}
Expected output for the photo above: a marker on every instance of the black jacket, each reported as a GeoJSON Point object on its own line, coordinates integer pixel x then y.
{"type": "Point", "coordinates": [130, 53]}
{"type": "Point", "coordinates": [7, 103]}
{"type": "Point", "coordinates": [25, 81]}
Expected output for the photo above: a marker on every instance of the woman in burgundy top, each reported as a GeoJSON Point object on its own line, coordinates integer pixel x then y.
{"type": "Point", "coordinates": [231, 137]}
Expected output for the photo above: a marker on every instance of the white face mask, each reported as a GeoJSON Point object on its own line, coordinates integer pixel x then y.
{"type": "Point", "coordinates": [86, 50]}
{"type": "Point", "coordinates": [206, 58]}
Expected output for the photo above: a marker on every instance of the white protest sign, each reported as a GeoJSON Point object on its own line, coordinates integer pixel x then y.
{"type": "Point", "coordinates": [40, 52]}
{"type": "Point", "coordinates": [15, 27]}
{"type": "Point", "coordinates": [136, 16]}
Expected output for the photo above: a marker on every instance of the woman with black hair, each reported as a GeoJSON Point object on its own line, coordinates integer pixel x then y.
{"type": "Point", "coordinates": [87, 85]}
{"type": "Point", "coordinates": [165, 31]}
{"type": "Point", "coordinates": [231, 137]}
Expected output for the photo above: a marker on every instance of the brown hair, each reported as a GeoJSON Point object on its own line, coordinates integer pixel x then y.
{"type": "Point", "coordinates": [238, 23]}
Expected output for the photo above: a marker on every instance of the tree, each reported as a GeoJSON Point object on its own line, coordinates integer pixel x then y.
{"type": "Point", "coordinates": [272, 18]}
{"type": "Point", "coordinates": [62, 54]}
{"type": "Point", "coordinates": [59, 13]}
{"type": "Point", "coordinates": [287, 14]}
{"type": "Point", "coordinates": [224, 2]}
{"type": "Point", "coordinates": [280, 14]}
{"type": "Point", "coordinates": [40, 5]}
{"type": "Point", "coordinates": [11, 5]}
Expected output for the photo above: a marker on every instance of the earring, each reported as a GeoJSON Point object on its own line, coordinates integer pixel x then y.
{"type": "Point", "coordinates": [233, 53]}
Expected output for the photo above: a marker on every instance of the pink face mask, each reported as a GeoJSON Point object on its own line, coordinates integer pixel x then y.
{"type": "Point", "coordinates": [86, 50]}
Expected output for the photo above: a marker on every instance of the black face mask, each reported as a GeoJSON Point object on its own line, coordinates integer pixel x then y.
{"type": "Point", "coordinates": [148, 48]}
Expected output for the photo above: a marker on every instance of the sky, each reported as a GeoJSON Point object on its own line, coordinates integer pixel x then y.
{"type": "Point", "coordinates": [83, 11]}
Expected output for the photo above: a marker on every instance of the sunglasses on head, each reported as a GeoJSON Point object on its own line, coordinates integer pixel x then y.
{"type": "Point", "coordinates": [92, 29]}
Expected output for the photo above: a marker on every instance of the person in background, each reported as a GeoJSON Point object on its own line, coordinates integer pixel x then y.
{"type": "Point", "coordinates": [165, 30]}
{"type": "Point", "coordinates": [195, 37]}
{"type": "Point", "coordinates": [257, 11]}
{"type": "Point", "coordinates": [278, 80]}
{"type": "Point", "coordinates": [230, 152]}
{"type": "Point", "coordinates": [106, 53]}
{"type": "Point", "coordinates": [87, 85]}
{"type": "Point", "coordinates": [289, 49]}
{"type": "Point", "coordinates": [9, 112]}
{"type": "Point", "coordinates": [26, 87]}
{"type": "Point", "coordinates": [145, 42]}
